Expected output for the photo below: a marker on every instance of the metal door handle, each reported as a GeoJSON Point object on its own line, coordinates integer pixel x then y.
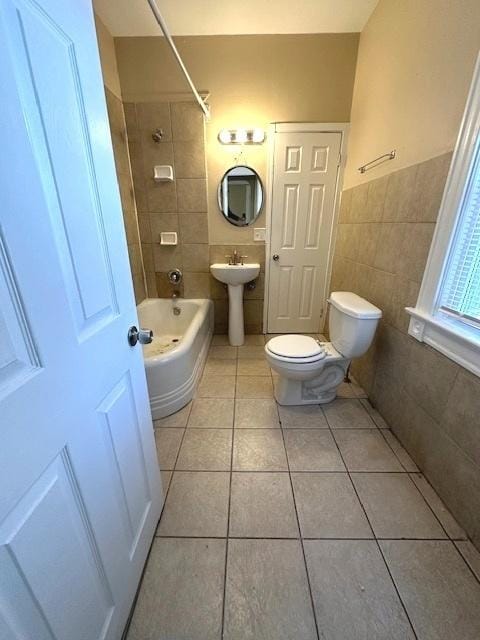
{"type": "Point", "coordinates": [276, 257]}
{"type": "Point", "coordinates": [144, 336]}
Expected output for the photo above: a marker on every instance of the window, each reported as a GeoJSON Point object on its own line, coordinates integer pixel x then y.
{"type": "Point", "coordinates": [447, 314]}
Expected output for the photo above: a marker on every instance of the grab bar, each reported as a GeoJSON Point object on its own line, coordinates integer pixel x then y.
{"type": "Point", "coordinates": [384, 158]}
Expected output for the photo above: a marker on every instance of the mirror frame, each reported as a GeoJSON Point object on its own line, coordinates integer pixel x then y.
{"type": "Point", "coordinates": [219, 195]}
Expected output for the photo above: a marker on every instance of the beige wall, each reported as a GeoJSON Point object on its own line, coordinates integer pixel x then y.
{"type": "Point", "coordinates": [118, 133]}
{"type": "Point", "coordinates": [108, 58]}
{"type": "Point", "coordinates": [253, 80]}
{"type": "Point", "coordinates": [414, 70]}
{"type": "Point", "coordinates": [415, 65]}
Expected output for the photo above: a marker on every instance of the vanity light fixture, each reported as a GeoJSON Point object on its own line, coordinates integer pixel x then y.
{"type": "Point", "coordinates": [242, 136]}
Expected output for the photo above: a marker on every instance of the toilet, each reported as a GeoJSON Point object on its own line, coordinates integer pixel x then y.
{"type": "Point", "coordinates": [311, 371]}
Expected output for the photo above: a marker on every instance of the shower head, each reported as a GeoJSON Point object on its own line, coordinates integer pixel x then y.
{"type": "Point", "coordinates": [157, 135]}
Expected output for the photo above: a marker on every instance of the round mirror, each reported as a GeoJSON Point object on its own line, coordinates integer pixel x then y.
{"type": "Point", "coordinates": [240, 195]}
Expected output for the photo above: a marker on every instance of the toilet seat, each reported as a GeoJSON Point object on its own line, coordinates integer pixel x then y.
{"type": "Point", "coordinates": [296, 349]}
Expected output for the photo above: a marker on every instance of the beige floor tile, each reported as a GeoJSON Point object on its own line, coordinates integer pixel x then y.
{"type": "Point", "coordinates": [166, 477]}
{"type": "Point", "coordinates": [211, 412]}
{"type": "Point", "coordinates": [353, 594]}
{"type": "Point", "coordinates": [220, 340]}
{"type": "Point", "coordinates": [374, 414]}
{"type": "Point", "coordinates": [345, 390]}
{"type": "Point", "coordinates": [168, 443]}
{"type": "Point", "coordinates": [470, 555]}
{"type": "Point", "coordinates": [216, 387]}
{"type": "Point", "coordinates": [219, 367]}
{"type": "Point", "coordinates": [347, 414]}
{"type": "Point", "coordinates": [254, 387]}
{"type": "Point", "coordinates": [178, 419]}
{"type": "Point", "coordinates": [399, 451]}
{"type": "Point", "coordinates": [312, 450]}
{"type": "Point", "coordinates": [256, 414]}
{"type": "Point", "coordinates": [261, 506]}
{"type": "Point", "coordinates": [365, 450]}
{"type": "Point", "coordinates": [182, 591]}
{"type": "Point", "coordinates": [451, 526]}
{"type": "Point", "coordinates": [395, 507]}
{"type": "Point", "coordinates": [205, 450]}
{"type": "Point", "coordinates": [251, 352]}
{"type": "Point", "coordinates": [328, 506]}
{"type": "Point", "coordinates": [196, 505]}
{"type": "Point", "coordinates": [253, 367]}
{"type": "Point", "coordinates": [223, 353]}
{"type": "Point", "coordinates": [440, 593]}
{"type": "Point", "coordinates": [267, 592]}
{"type": "Point", "coordinates": [254, 340]}
{"type": "Point", "coordinates": [309, 416]}
{"type": "Point", "coordinates": [258, 450]}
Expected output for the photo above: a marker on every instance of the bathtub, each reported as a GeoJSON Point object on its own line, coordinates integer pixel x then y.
{"type": "Point", "coordinates": [175, 359]}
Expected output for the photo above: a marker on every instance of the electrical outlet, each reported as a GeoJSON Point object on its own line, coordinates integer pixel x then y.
{"type": "Point", "coordinates": [259, 234]}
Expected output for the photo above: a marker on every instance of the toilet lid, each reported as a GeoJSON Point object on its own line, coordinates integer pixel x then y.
{"type": "Point", "coordinates": [295, 346]}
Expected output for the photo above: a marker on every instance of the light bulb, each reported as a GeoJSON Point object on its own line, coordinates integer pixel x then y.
{"type": "Point", "coordinates": [225, 136]}
{"type": "Point", "coordinates": [258, 135]}
{"type": "Point", "coordinates": [241, 136]}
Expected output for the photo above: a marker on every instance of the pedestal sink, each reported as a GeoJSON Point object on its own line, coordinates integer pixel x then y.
{"type": "Point", "coordinates": [235, 276]}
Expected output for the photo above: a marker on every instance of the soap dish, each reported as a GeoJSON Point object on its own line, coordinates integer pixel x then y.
{"type": "Point", "coordinates": [168, 238]}
{"type": "Point", "coordinates": [163, 173]}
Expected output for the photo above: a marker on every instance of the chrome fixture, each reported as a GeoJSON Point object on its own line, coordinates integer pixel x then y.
{"type": "Point", "coordinates": [162, 24]}
{"type": "Point", "coordinates": [235, 258]}
{"type": "Point", "coordinates": [276, 257]}
{"type": "Point", "coordinates": [144, 336]}
{"type": "Point", "coordinates": [175, 276]}
{"type": "Point", "coordinates": [377, 161]}
{"type": "Point", "coordinates": [157, 135]}
{"type": "Point", "coordinates": [251, 286]}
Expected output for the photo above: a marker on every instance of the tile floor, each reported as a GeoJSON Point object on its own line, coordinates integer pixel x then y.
{"type": "Point", "coordinates": [297, 523]}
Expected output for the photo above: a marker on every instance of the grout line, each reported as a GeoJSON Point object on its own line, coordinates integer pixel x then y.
{"type": "Point", "coordinates": [374, 535]}
{"type": "Point", "coordinates": [312, 603]}
{"type": "Point", "coordinates": [474, 573]}
{"type": "Point", "coordinates": [229, 507]}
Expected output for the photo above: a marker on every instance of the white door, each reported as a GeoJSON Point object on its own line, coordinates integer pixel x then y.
{"type": "Point", "coordinates": [305, 173]}
{"type": "Point", "coordinates": [80, 491]}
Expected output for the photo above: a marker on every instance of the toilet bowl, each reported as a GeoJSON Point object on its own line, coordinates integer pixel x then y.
{"type": "Point", "coordinates": [310, 371]}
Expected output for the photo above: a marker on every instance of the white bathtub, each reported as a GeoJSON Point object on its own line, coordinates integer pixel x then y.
{"type": "Point", "coordinates": [175, 359]}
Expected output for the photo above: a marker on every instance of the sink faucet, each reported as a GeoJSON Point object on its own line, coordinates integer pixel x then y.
{"type": "Point", "coordinates": [235, 258]}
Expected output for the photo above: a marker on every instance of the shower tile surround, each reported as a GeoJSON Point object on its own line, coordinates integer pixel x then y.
{"type": "Point", "coordinates": [181, 206]}
{"type": "Point", "coordinates": [124, 176]}
{"type": "Point", "coordinates": [431, 403]}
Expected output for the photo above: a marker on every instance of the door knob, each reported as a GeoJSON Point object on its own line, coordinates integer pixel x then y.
{"type": "Point", "coordinates": [144, 336]}
{"type": "Point", "coordinates": [276, 257]}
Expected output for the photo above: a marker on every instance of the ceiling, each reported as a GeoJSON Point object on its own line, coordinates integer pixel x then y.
{"type": "Point", "coordinates": [230, 17]}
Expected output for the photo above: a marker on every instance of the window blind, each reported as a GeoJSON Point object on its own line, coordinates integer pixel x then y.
{"type": "Point", "coordinates": [460, 293]}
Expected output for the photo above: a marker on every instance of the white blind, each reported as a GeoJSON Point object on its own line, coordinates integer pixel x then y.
{"type": "Point", "coordinates": [460, 294]}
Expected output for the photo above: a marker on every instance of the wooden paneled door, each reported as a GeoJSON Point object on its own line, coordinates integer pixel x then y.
{"type": "Point", "coordinates": [80, 491]}
{"type": "Point", "coordinates": [304, 191]}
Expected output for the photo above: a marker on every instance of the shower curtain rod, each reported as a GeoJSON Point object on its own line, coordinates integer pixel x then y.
{"type": "Point", "coordinates": [161, 23]}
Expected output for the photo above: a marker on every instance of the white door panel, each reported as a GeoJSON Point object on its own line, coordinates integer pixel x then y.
{"type": "Point", "coordinates": [80, 491]}
{"type": "Point", "coordinates": [305, 172]}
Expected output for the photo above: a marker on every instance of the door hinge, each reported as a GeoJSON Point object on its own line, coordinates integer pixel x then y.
{"type": "Point", "coordinates": [321, 312]}
{"type": "Point", "coordinates": [339, 159]}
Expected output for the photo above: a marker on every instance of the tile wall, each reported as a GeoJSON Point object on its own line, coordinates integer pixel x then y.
{"type": "Point", "coordinates": [124, 176]}
{"type": "Point", "coordinates": [181, 206]}
{"type": "Point", "coordinates": [433, 405]}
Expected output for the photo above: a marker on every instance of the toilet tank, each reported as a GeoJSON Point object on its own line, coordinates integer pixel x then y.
{"type": "Point", "coordinates": [352, 323]}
